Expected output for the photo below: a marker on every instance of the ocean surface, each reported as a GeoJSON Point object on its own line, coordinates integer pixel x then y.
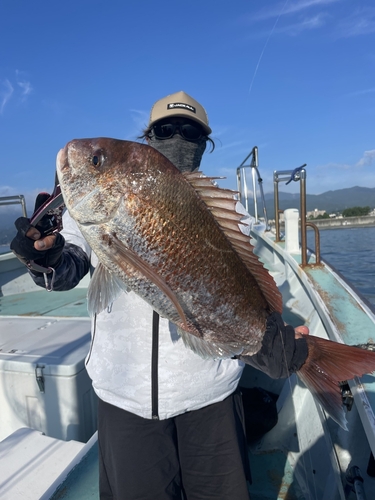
{"type": "Point", "coordinates": [351, 252]}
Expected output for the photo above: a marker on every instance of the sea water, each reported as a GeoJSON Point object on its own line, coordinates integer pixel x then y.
{"type": "Point", "coordinates": [351, 251]}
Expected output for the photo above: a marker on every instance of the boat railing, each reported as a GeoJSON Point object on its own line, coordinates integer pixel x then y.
{"type": "Point", "coordinates": [243, 183]}
{"type": "Point", "coordinates": [247, 177]}
{"type": "Point", "coordinates": [15, 200]}
{"type": "Point", "coordinates": [297, 175]}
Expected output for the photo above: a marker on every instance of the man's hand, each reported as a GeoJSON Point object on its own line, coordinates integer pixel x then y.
{"type": "Point", "coordinates": [41, 243]}
{"type": "Point", "coordinates": [300, 331]}
{"type": "Point", "coordinates": [30, 245]}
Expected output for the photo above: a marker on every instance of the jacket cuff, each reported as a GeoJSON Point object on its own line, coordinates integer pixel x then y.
{"type": "Point", "coordinates": [281, 354]}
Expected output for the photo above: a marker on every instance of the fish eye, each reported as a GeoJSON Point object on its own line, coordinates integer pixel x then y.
{"type": "Point", "coordinates": [97, 159]}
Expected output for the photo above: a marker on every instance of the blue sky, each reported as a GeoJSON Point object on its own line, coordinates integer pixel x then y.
{"type": "Point", "coordinates": [294, 77]}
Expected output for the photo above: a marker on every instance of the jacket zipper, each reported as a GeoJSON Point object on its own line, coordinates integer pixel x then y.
{"type": "Point", "coordinates": [92, 342]}
{"type": "Point", "coordinates": [154, 367]}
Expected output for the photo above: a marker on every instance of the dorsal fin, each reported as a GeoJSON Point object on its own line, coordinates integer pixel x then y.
{"type": "Point", "coordinates": [222, 204]}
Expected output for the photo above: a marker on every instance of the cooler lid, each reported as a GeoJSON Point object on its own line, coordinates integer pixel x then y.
{"type": "Point", "coordinates": [58, 344]}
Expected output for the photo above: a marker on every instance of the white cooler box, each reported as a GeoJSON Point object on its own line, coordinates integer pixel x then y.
{"type": "Point", "coordinates": [43, 381]}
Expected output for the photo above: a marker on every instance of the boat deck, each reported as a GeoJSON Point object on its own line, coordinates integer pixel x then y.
{"type": "Point", "coordinates": [20, 297]}
{"type": "Point", "coordinates": [272, 479]}
{"type": "Point", "coordinates": [321, 298]}
{"type": "Point", "coordinates": [354, 321]}
{"type": "Point", "coordinates": [282, 465]}
{"type": "Point", "coordinates": [83, 481]}
{"type": "Point", "coordinates": [71, 303]}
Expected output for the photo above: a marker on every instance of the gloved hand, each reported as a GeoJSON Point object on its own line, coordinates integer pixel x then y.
{"type": "Point", "coordinates": [284, 349]}
{"type": "Point", "coordinates": [30, 244]}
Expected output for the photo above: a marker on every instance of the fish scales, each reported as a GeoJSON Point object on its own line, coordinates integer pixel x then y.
{"type": "Point", "coordinates": [140, 199]}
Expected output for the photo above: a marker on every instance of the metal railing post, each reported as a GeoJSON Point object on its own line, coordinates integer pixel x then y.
{"type": "Point", "coordinates": [242, 185]}
{"type": "Point", "coordinates": [276, 204]}
{"type": "Point", "coordinates": [296, 175]}
{"type": "Point", "coordinates": [14, 200]}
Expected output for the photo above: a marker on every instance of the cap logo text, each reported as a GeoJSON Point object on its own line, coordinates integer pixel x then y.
{"type": "Point", "coordinates": [182, 105]}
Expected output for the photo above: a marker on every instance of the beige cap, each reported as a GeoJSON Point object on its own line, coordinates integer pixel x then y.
{"type": "Point", "coordinates": [180, 104]}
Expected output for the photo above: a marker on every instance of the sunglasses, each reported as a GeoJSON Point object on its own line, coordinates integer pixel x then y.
{"type": "Point", "coordinates": [189, 131]}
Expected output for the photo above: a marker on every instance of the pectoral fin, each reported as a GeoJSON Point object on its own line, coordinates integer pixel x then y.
{"type": "Point", "coordinates": [124, 256]}
{"type": "Point", "coordinates": [104, 288]}
{"type": "Point", "coordinates": [209, 350]}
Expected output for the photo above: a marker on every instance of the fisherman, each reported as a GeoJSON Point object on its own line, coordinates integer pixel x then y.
{"type": "Point", "coordinates": [170, 424]}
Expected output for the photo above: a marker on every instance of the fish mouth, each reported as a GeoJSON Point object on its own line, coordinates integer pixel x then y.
{"type": "Point", "coordinates": [61, 160]}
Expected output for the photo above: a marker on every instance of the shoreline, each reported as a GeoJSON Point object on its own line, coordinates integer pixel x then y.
{"type": "Point", "coordinates": [347, 226]}
{"type": "Point", "coordinates": [343, 223]}
{"type": "Point", "coordinates": [326, 227]}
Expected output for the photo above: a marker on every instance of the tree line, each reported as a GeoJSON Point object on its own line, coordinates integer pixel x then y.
{"type": "Point", "coordinates": [347, 212]}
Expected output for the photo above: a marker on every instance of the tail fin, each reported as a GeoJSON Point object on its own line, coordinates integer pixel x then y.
{"type": "Point", "coordinates": [329, 363]}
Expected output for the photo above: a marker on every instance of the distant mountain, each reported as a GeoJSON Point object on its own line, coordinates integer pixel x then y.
{"type": "Point", "coordinates": [330, 201]}
{"type": "Point", "coordinates": [337, 201]}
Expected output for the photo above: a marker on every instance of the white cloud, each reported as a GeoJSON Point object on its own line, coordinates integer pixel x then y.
{"type": "Point", "coordinates": [334, 166]}
{"type": "Point", "coordinates": [360, 22]}
{"type": "Point", "coordinates": [6, 191]}
{"type": "Point", "coordinates": [23, 83]}
{"type": "Point", "coordinates": [26, 88]}
{"type": "Point", "coordinates": [355, 21]}
{"type": "Point", "coordinates": [29, 195]}
{"type": "Point", "coordinates": [303, 25]}
{"type": "Point", "coordinates": [235, 145]}
{"type": "Point", "coordinates": [367, 159]}
{"type": "Point", "coordinates": [361, 92]}
{"type": "Point", "coordinates": [140, 117]}
{"type": "Point", "coordinates": [6, 91]}
{"type": "Point", "coordinates": [306, 4]}
{"type": "Point", "coordinates": [285, 8]}
{"type": "Point", "coordinates": [140, 120]}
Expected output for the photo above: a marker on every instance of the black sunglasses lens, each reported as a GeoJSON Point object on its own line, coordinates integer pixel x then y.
{"type": "Point", "coordinates": [190, 132]}
{"type": "Point", "coordinates": [164, 131]}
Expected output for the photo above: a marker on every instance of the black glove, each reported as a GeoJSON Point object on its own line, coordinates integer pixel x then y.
{"type": "Point", "coordinates": [281, 353]}
{"type": "Point", "coordinates": [23, 247]}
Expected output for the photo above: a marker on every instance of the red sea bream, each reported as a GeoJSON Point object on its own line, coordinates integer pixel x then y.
{"type": "Point", "coordinates": [178, 241]}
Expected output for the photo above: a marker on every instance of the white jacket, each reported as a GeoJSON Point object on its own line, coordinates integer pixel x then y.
{"type": "Point", "coordinates": [119, 361]}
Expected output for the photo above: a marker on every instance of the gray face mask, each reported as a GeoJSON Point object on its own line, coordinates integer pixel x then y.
{"type": "Point", "coordinates": [185, 155]}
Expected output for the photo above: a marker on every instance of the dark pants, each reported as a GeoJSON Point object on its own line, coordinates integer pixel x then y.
{"type": "Point", "coordinates": [198, 455]}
